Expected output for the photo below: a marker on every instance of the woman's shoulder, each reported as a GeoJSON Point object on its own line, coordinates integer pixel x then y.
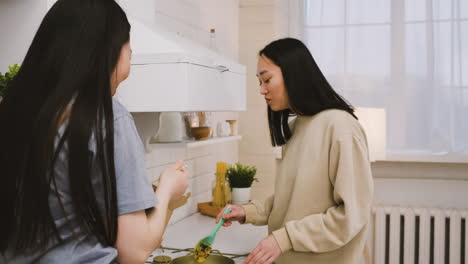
{"type": "Point", "coordinates": [329, 117]}
{"type": "Point", "coordinates": [337, 122]}
{"type": "Point", "coordinates": [337, 116]}
{"type": "Point", "coordinates": [119, 110]}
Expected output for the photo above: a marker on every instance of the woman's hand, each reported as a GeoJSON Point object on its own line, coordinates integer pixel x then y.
{"type": "Point", "coordinates": [266, 252]}
{"type": "Point", "coordinates": [237, 214]}
{"type": "Point", "coordinates": [173, 181]}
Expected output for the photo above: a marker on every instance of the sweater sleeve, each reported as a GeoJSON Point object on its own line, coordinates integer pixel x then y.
{"type": "Point", "coordinates": [351, 177]}
{"type": "Point", "coordinates": [258, 212]}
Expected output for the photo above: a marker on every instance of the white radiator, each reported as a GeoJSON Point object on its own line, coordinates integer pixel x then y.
{"type": "Point", "coordinates": [405, 235]}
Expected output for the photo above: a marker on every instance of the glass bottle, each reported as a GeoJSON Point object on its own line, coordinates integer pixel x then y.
{"type": "Point", "coordinates": [213, 45]}
{"type": "Point", "coordinates": [220, 198]}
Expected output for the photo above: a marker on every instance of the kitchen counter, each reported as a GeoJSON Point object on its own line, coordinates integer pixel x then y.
{"type": "Point", "coordinates": [236, 239]}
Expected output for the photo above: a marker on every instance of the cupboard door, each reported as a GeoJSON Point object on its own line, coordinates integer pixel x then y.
{"type": "Point", "coordinates": [205, 89]}
{"type": "Point", "coordinates": [182, 87]}
{"type": "Point", "coordinates": [155, 88]}
{"type": "Point", "coordinates": [234, 85]}
{"type": "Point", "coordinates": [213, 90]}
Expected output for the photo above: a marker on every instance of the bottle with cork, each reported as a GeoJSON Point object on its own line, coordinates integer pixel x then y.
{"type": "Point", "coordinates": [213, 45]}
{"type": "Point", "coordinates": [221, 189]}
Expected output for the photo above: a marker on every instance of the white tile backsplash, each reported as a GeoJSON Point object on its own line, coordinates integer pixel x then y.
{"type": "Point", "coordinates": [191, 207]}
{"type": "Point", "coordinates": [204, 165]}
{"type": "Point", "coordinates": [155, 172]}
{"type": "Point", "coordinates": [201, 165]}
{"type": "Point", "coordinates": [190, 167]}
{"type": "Point", "coordinates": [256, 30]}
{"type": "Point", "coordinates": [202, 183]}
{"type": "Point", "coordinates": [162, 154]}
{"type": "Point", "coordinates": [198, 152]}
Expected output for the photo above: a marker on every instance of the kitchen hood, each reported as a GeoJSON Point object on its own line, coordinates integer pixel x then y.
{"type": "Point", "coordinates": [153, 44]}
{"type": "Point", "coordinates": [172, 73]}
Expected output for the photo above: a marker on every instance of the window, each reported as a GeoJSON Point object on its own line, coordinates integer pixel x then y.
{"type": "Point", "coordinates": [407, 56]}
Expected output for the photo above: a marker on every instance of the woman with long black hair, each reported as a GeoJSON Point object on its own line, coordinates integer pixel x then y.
{"type": "Point", "coordinates": [320, 210]}
{"type": "Point", "coordinates": [73, 180]}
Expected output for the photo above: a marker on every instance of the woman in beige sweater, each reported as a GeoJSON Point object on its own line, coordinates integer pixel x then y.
{"type": "Point", "coordinates": [320, 210]}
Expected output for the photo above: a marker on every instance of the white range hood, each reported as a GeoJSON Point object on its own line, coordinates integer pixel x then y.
{"type": "Point", "coordinates": [171, 73]}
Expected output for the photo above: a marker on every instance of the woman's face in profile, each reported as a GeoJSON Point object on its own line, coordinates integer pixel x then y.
{"type": "Point", "coordinates": [122, 69]}
{"type": "Point", "coordinates": [272, 85]}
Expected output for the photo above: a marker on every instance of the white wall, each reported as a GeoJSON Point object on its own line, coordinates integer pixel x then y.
{"type": "Point", "coordinates": [256, 30]}
{"type": "Point", "coordinates": [421, 184]}
{"type": "Point", "coordinates": [19, 20]}
{"type": "Point", "coordinates": [193, 20]}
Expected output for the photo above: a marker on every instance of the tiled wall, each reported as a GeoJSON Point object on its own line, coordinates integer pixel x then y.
{"type": "Point", "coordinates": [201, 164]}
{"type": "Point", "coordinates": [256, 30]}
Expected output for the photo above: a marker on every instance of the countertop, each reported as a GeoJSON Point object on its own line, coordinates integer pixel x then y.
{"type": "Point", "coordinates": [236, 239]}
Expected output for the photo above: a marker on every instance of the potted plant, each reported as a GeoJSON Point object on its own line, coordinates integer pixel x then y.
{"type": "Point", "coordinates": [7, 78]}
{"type": "Point", "coordinates": [240, 178]}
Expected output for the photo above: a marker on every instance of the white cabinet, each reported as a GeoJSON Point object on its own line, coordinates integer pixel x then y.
{"type": "Point", "coordinates": [205, 88]}
{"type": "Point", "coordinates": [234, 90]}
{"type": "Point", "coordinates": [161, 87]}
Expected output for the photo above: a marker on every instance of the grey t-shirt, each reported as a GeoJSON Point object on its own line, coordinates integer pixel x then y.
{"type": "Point", "coordinates": [134, 193]}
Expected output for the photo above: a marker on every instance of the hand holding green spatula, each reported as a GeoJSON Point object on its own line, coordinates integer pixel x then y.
{"type": "Point", "coordinates": [203, 248]}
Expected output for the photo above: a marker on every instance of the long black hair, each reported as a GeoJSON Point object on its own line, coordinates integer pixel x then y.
{"type": "Point", "coordinates": [69, 63]}
{"type": "Point", "coordinates": [308, 90]}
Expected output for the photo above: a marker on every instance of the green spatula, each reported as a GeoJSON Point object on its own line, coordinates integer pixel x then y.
{"type": "Point", "coordinates": [207, 241]}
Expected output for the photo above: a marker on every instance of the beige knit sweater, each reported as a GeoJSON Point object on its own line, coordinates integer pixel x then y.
{"type": "Point", "coordinates": [320, 209]}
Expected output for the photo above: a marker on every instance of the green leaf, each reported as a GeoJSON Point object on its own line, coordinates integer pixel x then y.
{"type": "Point", "coordinates": [6, 79]}
{"type": "Point", "coordinates": [241, 176]}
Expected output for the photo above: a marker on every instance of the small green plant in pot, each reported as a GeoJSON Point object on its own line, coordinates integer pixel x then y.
{"type": "Point", "coordinates": [240, 179]}
{"type": "Point", "coordinates": [6, 79]}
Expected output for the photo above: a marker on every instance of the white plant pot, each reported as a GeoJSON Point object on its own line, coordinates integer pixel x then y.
{"type": "Point", "coordinates": [240, 195]}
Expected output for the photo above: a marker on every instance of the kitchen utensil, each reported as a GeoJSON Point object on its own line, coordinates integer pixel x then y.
{"type": "Point", "coordinates": [212, 259]}
{"type": "Point", "coordinates": [208, 241]}
{"type": "Point", "coordinates": [170, 127]}
{"type": "Point", "coordinates": [233, 127]}
{"type": "Point", "coordinates": [162, 260]}
{"type": "Point", "coordinates": [204, 245]}
{"type": "Point", "coordinates": [200, 133]}
{"type": "Point", "coordinates": [210, 122]}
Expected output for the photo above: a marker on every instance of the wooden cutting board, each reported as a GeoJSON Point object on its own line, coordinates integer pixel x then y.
{"type": "Point", "coordinates": [208, 209]}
